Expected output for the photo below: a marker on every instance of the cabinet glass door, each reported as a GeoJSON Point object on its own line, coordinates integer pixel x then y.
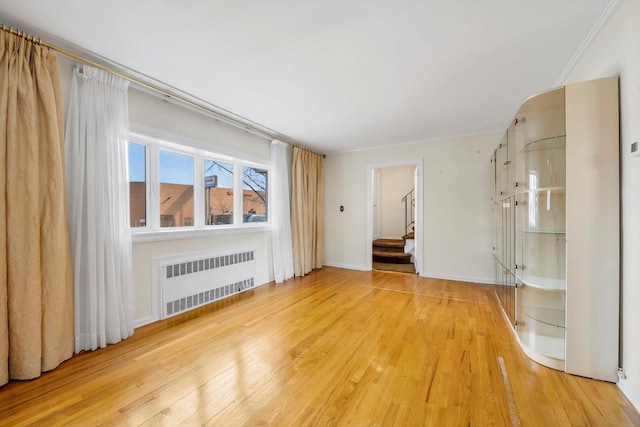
{"type": "Point", "coordinates": [542, 226]}
{"type": "Point", "coordinates": [541, 230]}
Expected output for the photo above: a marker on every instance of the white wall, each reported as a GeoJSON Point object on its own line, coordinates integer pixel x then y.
{"type": "Point", "coordinates": [395, 183]}
{"type": "Point", "coordinates": [616, 51]}
{"type": "Point", "coordinates": [154, 112]}
{"type": "Point", "coordinates": [457, 236]}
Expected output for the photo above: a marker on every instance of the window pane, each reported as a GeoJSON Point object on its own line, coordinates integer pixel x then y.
{"type": "Point", "coordinates": [176, 190]}
{"type": "Point", "coordinates": [218, 193]}
{"type": "Point", "coordinates": [137, 185]}
{"type": "Point", "coordinates": [254, 194]}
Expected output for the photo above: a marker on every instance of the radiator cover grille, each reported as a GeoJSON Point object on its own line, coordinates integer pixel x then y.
{"type": "Point", "coordinates": [190, 281]}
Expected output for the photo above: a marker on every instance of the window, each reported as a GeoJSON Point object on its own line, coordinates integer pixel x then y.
{"type": "Point", "coordinates": [176, 189]}
{"type": "Point", "coordinates": [137, 184]}
{"type": "Point", "coordinates": [174, 186]}
{"type": "Point", "coordinates": [254, 194]}
{"type": "Point", "coordinates": [218, 192]}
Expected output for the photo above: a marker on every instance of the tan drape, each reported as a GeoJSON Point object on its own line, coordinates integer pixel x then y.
{"type": "Point", "coordinates": [36, 290]}
{"type": "Point", "coordinates": [307, 211]}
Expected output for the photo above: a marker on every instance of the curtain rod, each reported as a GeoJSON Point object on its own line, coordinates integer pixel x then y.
{"type": "Point", "coordinates": [19, 33]}
{"type": "Point", "coordinates": [152, 87]}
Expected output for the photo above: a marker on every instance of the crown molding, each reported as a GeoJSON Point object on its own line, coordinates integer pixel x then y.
{"type": "Point", "coordinates": [586, 43]}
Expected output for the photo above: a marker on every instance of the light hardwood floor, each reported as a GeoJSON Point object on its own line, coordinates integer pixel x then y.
{"type": "Point", "coordinates": [337, 347]}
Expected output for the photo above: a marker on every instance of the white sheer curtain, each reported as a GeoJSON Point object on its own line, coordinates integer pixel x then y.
{"type": "Point", "coordinates": [96, 142]}
{"type": "Point", "coordinates": [281, 214]}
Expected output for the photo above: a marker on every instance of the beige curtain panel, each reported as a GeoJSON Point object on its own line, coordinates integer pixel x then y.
{"type": "Point", "coordinates": [307, 211]}
{"type": "Point", "coordinates": [36, 291]}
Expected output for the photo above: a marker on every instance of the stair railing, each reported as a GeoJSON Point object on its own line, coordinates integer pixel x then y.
{"type": "Point", "coordinates": [409, 201]}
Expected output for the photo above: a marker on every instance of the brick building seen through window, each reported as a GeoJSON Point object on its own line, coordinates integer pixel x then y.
{"type": "Point", "coordinates": [176, 205]}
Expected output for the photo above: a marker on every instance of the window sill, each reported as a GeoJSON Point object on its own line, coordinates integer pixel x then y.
{"type": "Point", "coordinates": [194, 233]}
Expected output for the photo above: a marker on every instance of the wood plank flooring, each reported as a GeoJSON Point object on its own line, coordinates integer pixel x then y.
{"type": "Point", "coordinates": [337, 347]}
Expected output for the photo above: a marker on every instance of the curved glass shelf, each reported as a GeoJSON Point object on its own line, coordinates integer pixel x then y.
{"type": "Point", "coordinates": [552, 143]}
{"type": "Point", "coordinates": [551, 189]}
{"type": "Point", "coordinates": [535, 231]}
{"type": "Point", "coordinates": [548, 316]}
{"type": "Point", "coordinates": [543, 283]}
{"type": "Point", "coordinates": [524, 189]}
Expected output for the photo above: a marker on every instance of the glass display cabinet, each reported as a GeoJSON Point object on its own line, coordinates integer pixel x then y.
{"type": "Point", "coordinates": [555, 209]}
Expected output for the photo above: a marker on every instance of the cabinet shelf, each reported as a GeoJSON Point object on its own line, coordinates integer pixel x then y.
{"type": "Point", "coordinates": [548, 316]}
{"type": "Point", "coordinates": [557, 142]}
{"type": "Point", "coordinates": [533, 231]}
{"type": "Point", "coordinates": [544, 283]}
{"type": "Point", "coordinates": [526, 190]}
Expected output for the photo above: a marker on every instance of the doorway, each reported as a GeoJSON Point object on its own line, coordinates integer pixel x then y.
{"type": "Point", "coordinates": [394, 226]}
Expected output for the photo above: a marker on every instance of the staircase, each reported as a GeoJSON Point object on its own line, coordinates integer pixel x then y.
{"type": "Point", "coordinates": [390, 251]}
{"type": "Point", "coordinates": [396, 254]}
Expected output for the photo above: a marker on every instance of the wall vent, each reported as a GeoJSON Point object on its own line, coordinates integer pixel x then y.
{"type": "Point", "coordinates": [190, 281]}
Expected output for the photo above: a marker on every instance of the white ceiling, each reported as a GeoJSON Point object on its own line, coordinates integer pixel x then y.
{"type": "Point", "coordinates": [335, 75]}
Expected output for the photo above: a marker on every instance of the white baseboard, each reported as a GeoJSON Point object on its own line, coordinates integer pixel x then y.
{"type": "Point", "coordinates": [630, 392]}
{"type": "Point", "coordinates": [271, 280]}
{"type": "Point", "coordinates": [347, 266]}
{"type": "Point", "coordinates": [482, 280]}
{"type": "Point", "coordinates": [144, 321]}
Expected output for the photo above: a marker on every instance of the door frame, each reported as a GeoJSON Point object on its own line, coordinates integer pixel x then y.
{"type": "Point", "coordinates": [419, 229]}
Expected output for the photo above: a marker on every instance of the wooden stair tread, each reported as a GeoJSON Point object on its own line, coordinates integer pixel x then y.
{"type": "Point", "coordinates": [390, 251]}
{"type": "Point", "coordinates": [391, 257]}
{"type": "Point", "coordinates": [391, 243]}
{"type": "Point", "coordinates": [391, 266]}
{"type": "Point", "coordinates": [392, 254]}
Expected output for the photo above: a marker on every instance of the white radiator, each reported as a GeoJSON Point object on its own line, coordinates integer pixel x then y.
{"type": "Point", "coordinates": [192, 280]}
